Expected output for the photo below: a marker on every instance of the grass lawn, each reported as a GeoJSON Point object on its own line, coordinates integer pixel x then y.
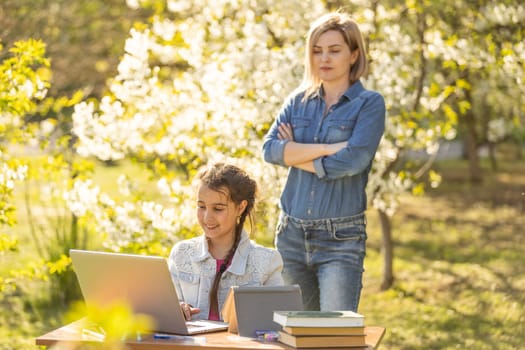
{"type": "Point", "coordinates": [459, 270]}
{"type": "Point", "coordinates": [459, 266]}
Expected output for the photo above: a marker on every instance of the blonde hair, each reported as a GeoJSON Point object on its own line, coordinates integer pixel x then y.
{"type": "Point", "coordinates": [345, 25]}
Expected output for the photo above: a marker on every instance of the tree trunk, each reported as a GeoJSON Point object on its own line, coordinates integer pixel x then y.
{"type": "Point", "coordinates": [492, 156]}
{"type": "Point", "coordinates": [519, 150]}
{"type": "Point", "coordinates": [387, 248]}
{"type": "Point", "coordinates": [471, 144]}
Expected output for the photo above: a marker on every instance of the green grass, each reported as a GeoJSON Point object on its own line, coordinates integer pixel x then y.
{"type": "Point", "coordinates": [459, 268]}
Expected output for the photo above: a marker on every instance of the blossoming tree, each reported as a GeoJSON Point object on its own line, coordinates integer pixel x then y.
{"type": "Point", "coordinates": [204, 79]}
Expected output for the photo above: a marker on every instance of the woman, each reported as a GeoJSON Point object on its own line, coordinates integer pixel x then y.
{"type": "Point", "coordinates": [327, 133]}
{"type": "Point", "coordinates": [205, 267]}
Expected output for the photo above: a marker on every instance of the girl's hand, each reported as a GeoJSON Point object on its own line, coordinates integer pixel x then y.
{"type": "Point", "coordinates": [189, 310]}
{"type": "Point", "coordinates": [285, 132]}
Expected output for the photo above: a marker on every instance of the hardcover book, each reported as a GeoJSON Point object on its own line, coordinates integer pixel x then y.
{"type": "Point", "coordinates": [318, 319]}
{"type": "Point", "coordinates": [324, 330]}
{"type": "Point", "coordinates": [329, 341]}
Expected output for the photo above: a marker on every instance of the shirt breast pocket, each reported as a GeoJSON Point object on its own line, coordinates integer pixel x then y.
{"type": "Point", "coordinates": [189, 285]}
{"type": "Point", "coordinates": [300, 127]}
{"type": "Point", "coordinates": [340, 129]}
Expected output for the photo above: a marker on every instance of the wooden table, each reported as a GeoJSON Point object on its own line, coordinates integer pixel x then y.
{"type": "Point", "coordinates": [74, 334]}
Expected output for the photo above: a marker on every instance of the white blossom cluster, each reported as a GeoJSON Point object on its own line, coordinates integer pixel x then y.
{"type": "Point", "coordinates": [500, 13]}
{"type": "Point", "coordinates": [129, 221]}
{"type": "Point", "coordinates": [9, 175]}
{"type": "Point", "coordinates": [497, 129]}
{"type": "Point", "coordinates": [242, 62]}
{"type": "Point", "coordinates": [235, 84]}
{"type": "Point", "coordinates": [206, 84]}
{"type": "Point", "coordinates": [26, 91]}
{"type": "Point", "coordinates": [393, 74]}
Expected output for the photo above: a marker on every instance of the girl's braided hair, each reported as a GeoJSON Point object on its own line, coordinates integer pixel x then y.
{"type": "Point", "coordinates": [237, 185]}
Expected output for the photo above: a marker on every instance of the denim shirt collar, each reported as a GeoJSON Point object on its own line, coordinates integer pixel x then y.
{"type": "Point", "coordinates": [352, 92]}
{"type": "Point", "coordinates": [238, 264]}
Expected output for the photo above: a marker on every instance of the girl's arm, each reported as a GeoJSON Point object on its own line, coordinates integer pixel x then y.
{"type": "Point", "coordinates": [274, 266]}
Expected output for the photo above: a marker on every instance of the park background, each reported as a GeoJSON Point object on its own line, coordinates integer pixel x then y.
{"type": "Point", "coordinates": [107, 108]}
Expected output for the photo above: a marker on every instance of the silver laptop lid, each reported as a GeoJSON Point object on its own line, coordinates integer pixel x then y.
{"type": "Point", "coordinates": [143, 282]}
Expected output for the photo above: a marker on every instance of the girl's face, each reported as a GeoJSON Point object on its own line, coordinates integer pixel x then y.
{"type": "Point", "coordinates": [217, 213]}
{"type": "Point", "coordinates": [332, 58]}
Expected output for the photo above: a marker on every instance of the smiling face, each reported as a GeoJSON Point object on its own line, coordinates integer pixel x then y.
{"type": "Point", "coordinates": [332, 58]}
{"type": "Point", "coordinates": [217, 214]}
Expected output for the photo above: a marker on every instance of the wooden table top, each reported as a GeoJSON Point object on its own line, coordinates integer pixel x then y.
{"type": "Point", "coordinates": [74, 333]}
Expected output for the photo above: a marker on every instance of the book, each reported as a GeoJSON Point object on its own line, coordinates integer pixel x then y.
{"type": "Point", "coordinates": [324, 330]}
{"type": "Point", "coordinates": [322, 341]}
{"type": "Point", "coordinates": [318, 319]}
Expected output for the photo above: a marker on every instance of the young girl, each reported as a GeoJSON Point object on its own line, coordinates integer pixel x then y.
{"type": "Point", "coordinates": [205, 267]}
{"type": "Point", "coordinates": [327, 132]}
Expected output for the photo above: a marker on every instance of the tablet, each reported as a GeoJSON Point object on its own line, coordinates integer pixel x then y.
{"type": "Point", "coordinates": [248, 309]}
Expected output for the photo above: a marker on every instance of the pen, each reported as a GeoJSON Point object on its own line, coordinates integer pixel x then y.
{"type": "Point", "coordinates": [185, 338]}
{"type": "Point", "coordinates": [171, 336]}
{"type": "Point", "coordinates": [167, 336]}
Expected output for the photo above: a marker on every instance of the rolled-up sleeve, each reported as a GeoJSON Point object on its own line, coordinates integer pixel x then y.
{"type": "Point", "coordinates": [319, 168]}
{"type": "Point", "coordinates": [273, 147]}
{"type": "Point", "coordinates": [273, 151]}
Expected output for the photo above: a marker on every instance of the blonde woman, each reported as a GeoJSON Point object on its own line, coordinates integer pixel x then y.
{"type": "Point", "coordinates": [327, 134]}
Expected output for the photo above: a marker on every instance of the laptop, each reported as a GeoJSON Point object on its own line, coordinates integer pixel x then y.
{"type": "Point", "coordinates": [143, 282]}
{"type": "Point", "coordinates": [249, 309]}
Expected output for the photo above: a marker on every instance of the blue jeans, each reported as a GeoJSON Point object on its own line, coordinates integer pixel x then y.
{"type": "Point", "coordinates": [325, 257]}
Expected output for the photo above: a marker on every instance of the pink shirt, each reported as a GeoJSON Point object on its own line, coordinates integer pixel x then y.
{"type": "Point", "coordinates": [214, 316]}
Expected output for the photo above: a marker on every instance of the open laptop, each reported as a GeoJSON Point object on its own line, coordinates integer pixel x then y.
{"type": "Point", "coordinates": [143, 282]}
{"type": "Point", "coordinates": [249, 309]}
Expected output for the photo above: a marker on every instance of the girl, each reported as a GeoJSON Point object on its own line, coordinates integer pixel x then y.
{"type": "Point", "coordinates": [205, 267]}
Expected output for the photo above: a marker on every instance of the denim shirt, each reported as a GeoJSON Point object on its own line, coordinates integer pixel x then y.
{"type": "Point", "coordinates": [337, 189]}
{"type": "Point", "coordinates": [193, 270]}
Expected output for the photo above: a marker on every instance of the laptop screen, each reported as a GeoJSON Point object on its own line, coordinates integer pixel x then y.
{"type": "Point", "coordinates": [143, 282]}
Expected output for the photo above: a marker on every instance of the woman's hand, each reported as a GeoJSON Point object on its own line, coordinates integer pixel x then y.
{"type": "Point", "coordinates": [188, 310]}
{"type": "Point", "coordinates": [285, 132]}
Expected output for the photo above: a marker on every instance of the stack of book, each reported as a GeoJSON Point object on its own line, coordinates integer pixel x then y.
{"type": "Point", "coordinates": [321, 329]}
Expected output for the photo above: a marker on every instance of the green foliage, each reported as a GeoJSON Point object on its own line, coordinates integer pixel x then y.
{"type": "Point", "coordinates": [111, 324]}
{"type": "Point", "coordinates": [84, 38]}
{"type": "Point", "coordinates": [24, 80]}
{"type": "Point", "coordinates": [8, 243]}
{"type": "Point", "coordinates": [21, 75]}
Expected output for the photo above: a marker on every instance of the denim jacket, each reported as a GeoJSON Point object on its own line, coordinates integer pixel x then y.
{"type": "Point", "coordinates": [337, 189]}
{"type": "Point", "coordinates": [193, 270]}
